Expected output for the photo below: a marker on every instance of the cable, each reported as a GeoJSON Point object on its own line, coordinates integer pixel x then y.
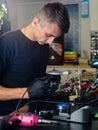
{"type": "Point", "coordinates": [20, 101]}
{"type": "Point", "coordinates": [27, 91]}
{"type": "Point", "coordinates": [54, 102]}
{"type": "Point", "coordinates": [24, 94]}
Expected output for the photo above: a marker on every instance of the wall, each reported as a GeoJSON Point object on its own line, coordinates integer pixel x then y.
{"type": "Point", "coordinates": [85, 38]}
{"type": "Point", "coordinates": [94, 15]}
{"type": "Point", "coordinates": [86, 24]}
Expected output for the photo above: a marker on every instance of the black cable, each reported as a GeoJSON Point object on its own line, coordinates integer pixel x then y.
{"type": "Point", "coordinates": [20, 101]}
{"type": "Point", "coordinates": [54, 102]}
{"type": "Point", "coordinates": [27, 91]}
{"type": "Point", "coordinates": [24, 94]}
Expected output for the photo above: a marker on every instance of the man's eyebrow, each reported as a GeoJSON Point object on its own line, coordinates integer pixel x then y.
{"type": "Point", "coordinates": [51, 35]}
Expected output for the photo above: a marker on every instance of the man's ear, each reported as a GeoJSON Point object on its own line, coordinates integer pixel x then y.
{"type": "Point", "coordinates": [36, 21]}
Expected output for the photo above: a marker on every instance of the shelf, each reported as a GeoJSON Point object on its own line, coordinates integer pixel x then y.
{"type": "Point", "coordinates": [71, 67]}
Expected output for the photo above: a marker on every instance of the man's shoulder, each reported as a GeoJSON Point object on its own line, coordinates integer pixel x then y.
{"type": "Point", "coordinates": [9, 34]}
{"type": "Point", "coordinates": [9, 37]}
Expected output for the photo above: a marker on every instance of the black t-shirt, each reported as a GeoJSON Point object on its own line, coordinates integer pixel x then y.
{"type": "Point", "coordinates": [21, 61]}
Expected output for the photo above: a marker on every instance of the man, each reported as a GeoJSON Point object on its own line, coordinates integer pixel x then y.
{"type": "Point", "coordinates": [24, 56]}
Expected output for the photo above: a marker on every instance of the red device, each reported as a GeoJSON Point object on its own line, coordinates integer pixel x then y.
{"type": "Point", "coordinates": [23, 119]}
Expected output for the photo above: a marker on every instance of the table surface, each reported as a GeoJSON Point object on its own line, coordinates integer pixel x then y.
{"type": "Point", "coordinates": [62, 125]}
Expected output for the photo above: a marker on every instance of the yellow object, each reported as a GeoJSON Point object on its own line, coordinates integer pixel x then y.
{"type": "Point", "coordinates": [52, 57]}
{"type": "Point", "coordinates": [73, 96]}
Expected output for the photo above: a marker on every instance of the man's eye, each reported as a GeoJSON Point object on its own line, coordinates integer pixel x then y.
{"type": "Point", "coordinates": [48, 35]}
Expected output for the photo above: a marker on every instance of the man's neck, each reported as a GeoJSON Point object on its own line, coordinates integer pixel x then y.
{"type": "Point", "coordinates": [28, 32]}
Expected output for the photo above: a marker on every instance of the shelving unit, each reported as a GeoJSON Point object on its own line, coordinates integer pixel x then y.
{"type": "Point", "coordinates": [94, 46]}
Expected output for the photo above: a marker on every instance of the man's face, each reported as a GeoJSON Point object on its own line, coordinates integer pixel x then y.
{"type": "Point", "coordinates": [46, 33]}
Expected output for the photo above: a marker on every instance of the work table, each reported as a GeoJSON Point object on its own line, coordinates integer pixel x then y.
{"type": "Point", "coordinates": [71, 67]}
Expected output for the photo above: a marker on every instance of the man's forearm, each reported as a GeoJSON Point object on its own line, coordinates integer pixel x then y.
{"type": "Point", "coordinates": [12, 93]}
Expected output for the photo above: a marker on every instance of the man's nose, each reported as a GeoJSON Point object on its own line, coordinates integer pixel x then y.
{"type": "Point", "coordinates": [50, 40]}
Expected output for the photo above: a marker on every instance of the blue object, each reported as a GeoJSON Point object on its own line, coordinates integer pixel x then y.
{"type": "Point", "coordinates": [61, 107]}
{"type": "Point", "coordinates": [84, 8]}
{"type": "Point", "coordinates": [94, 63]}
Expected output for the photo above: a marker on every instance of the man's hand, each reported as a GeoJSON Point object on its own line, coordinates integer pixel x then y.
{"type": "Point", "coordinates": [39, 87]}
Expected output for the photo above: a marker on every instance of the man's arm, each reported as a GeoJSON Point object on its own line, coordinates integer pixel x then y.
{"type": "Point", "coordinates": [38, 88]}
{"type": "Point", "coordinates": [12, 93]}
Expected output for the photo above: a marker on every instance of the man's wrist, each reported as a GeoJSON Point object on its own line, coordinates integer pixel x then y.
{"type": "Point", "coordinates": [23, 92]}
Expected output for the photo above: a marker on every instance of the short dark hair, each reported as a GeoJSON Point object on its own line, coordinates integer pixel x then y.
{"type": "Point", "coordinates": [56, 12]}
